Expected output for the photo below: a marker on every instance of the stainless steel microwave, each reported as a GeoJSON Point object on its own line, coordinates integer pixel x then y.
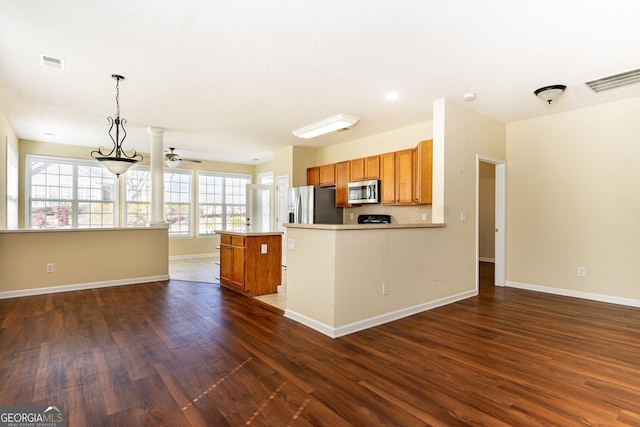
{"type": "Point", "coordinates": [364, 192]}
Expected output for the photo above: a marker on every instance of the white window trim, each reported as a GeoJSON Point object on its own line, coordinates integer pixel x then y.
{"type": "Point", "coordinates": [192, 212]}
{"type": "Point", "coordinates": [196, 209]}
{"type": "Point", "coordinates": [12, 190]}
{"type": "Point", "coordinates": [67, 160]}
{"type": "Point", "coordinates": [123, 210]}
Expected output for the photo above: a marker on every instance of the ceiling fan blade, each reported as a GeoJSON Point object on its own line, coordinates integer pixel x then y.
{"type": "Point", "coordinates": [191, 160]}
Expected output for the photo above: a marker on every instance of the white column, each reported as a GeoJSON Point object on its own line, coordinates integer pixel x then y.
{"type": "Point", "coordinates": [157, 175]}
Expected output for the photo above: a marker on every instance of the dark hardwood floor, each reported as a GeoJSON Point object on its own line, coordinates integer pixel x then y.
{"type": "Point", "coordinates": [189, 354]}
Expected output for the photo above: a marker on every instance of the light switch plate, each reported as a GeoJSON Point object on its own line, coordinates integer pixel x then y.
{"type": "Point", "coordinates": [263, 248]}
{"type": "Point", "coordinates": [291, 244]}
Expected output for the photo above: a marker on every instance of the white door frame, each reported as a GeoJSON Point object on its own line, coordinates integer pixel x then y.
{"type": "Point", "coordinates": [500, 217]}
{"type": "Point", "coordinates": [282, 187]}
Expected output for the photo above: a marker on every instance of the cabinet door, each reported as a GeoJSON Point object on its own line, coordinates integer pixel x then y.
{"type": "Point", "coordinates": [404, 177]}
{"type": "Point", "coordinates": [423, 175]}
{"type": "Point", "coordinates": [342, 184]}
{"type": "Point", "coordinates": [237, 274]}
{"type": "Point", "coordinates": [313, 176]}
{"type": "Point", "coordinates": [372, 167]}
{"type": "Point", "coordinates": [387, 178]}
{"type": "Point", "coordinates": [357, 170]}
{"type": "Point", "coordinates": [327, 175]}
{"type": "Point", "coordinates": [226, 264]}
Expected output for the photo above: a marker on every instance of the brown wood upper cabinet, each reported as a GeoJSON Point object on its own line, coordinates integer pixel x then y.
{"type": "Point", "coordinates": [365, 169]}
{"type": "Point", "coordinates": [388, 179]}
{"type": "Point", "coordinates": [342, 184]}
{"type": "Point", "coordinates": [423, 173]}
{"type": "Point", "coordinates": [327, 175]}
{"type": "Point", "coordinates": [324, 176]}
{"type": "Point", "coordinates": [313, 175]}
{"type": "Point", "coordinates": [406, 176]}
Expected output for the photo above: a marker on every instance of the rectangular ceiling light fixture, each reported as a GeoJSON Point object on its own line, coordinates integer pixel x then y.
{"type": "Point", "coordinates": [331, 124]}
{"type": "Point", "coordinates": [617, 80]}
{"type": "Point", "coordinates": [50, 61]}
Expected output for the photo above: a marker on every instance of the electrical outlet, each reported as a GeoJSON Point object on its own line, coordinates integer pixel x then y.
{"type": "Point", "coordinates": [582, 271]}
{"type": "Point", "coordinates": [424, 216]}
{"type": "Point", "coordinates": [385, 288]}
{"type": "Point", "coordinates": [351, 215]}
{"type": "Point", "coordinates": [50, 268]}
{"type": "Point", "coordinates": [263, 248]}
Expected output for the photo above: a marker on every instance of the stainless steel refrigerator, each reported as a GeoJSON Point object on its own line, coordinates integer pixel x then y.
{"type": "Point", "coordinates": [313, 205]}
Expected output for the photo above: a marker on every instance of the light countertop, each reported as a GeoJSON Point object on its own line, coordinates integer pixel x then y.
{"type": "Point", "coordinates": [249, 232]}
{"type": "Point", "coordinates": [363, 226]}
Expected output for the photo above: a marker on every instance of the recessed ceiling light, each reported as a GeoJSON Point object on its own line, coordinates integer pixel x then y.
{"type": "Point", "coordinates": [49, 133]}
{"type": "Point", "coordinates": [392, 96]}
{"type": "Point", "coordinates": [52, 61]}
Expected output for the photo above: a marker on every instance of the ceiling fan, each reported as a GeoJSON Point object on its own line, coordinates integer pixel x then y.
{"type": "Point", "coordinates": [173, 159]}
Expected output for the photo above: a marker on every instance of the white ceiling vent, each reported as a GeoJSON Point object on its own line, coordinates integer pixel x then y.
{"type": "Point", "coordinates": [617, 80]}
{"type": "Point", "coordinates": [51, 61]}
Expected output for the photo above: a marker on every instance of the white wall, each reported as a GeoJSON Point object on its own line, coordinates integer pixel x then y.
{"type": "Point", "coordinates": [573, 200]}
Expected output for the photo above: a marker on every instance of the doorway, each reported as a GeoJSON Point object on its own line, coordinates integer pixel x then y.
{"type": "Point", "coordinates": [490, 215]}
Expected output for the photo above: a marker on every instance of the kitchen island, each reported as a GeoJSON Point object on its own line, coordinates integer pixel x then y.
{"type": "Point", "coordinates": [346, 278]}
{"type": "Point", "coordinates": [251, 261]}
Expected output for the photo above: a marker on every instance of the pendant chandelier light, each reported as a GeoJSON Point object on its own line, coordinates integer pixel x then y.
{"type": "Point", "coordinates": [116, 160]}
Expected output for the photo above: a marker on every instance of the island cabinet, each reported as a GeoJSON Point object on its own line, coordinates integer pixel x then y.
{"type": "Point", "coordinates": [251, 262]}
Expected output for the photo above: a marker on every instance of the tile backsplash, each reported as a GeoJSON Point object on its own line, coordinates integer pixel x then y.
{"type": "Point", "coordinates": [399, 214]}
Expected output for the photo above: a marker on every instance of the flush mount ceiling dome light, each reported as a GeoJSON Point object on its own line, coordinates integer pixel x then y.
{"type": "Point", "coordinates": [331, 124]}
{"type": "Point", "coordinates": [116, 160]}
{"type": "Point", "coordinates": [549, 93]}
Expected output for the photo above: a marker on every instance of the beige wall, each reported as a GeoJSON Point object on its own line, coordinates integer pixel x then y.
{"type": "Point", "coordinates": [573, 200]}
{"type": "Point", "coordinates": [423, 266]}
{"type": "Point", "coordinates": [395, 140]}
{"type": "Point", "coordinates": [7, 137]}
{"type": "Point", "coordinates": [466, 134]}
{"type": "Point", "coordinates": [115, 257]}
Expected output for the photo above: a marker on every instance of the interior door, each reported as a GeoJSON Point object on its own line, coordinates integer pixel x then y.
{"type": "Point", "coordinates": [259, 207]}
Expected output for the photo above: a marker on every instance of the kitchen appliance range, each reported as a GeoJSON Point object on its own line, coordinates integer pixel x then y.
{"type": "Point", "coordinates": [363, 192]}
{"type": "Point", "coordinates": [313, 205]}
{"type": "Point", "coordinates": [374, 219]}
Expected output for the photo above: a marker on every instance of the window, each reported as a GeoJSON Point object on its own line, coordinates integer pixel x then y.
{"type": "Point", "coordinates": [265, 178]}
{"type": "Point", "coordinates": [67, 193]}
{"type": "Point", "coordinates": [177, 202]}
{"type": "Point", "coordinates": [137, 196]}
{"type": "Point", "coordinates": [221, 201]}
{"type": "Point", "coordinates": [12, 188]}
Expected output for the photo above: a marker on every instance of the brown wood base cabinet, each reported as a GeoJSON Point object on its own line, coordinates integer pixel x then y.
{"type": "Point", "coordinates": [251, 262]}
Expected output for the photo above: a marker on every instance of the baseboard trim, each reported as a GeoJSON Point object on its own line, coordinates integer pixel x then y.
{"type": "Point", "coordinates": [194, 256]}
{"type": "Point", "coordinates": [376, 320]}
{"type": "Point", "coordinates": [575, 294]}
{"type": "Point", "coordinates": [80, 286]}
{"type": "Point", "coordinates": [483, 259]}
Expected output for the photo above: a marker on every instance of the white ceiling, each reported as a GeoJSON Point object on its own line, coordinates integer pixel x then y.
{"type": "Point", "coordinates": [230, 80]}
